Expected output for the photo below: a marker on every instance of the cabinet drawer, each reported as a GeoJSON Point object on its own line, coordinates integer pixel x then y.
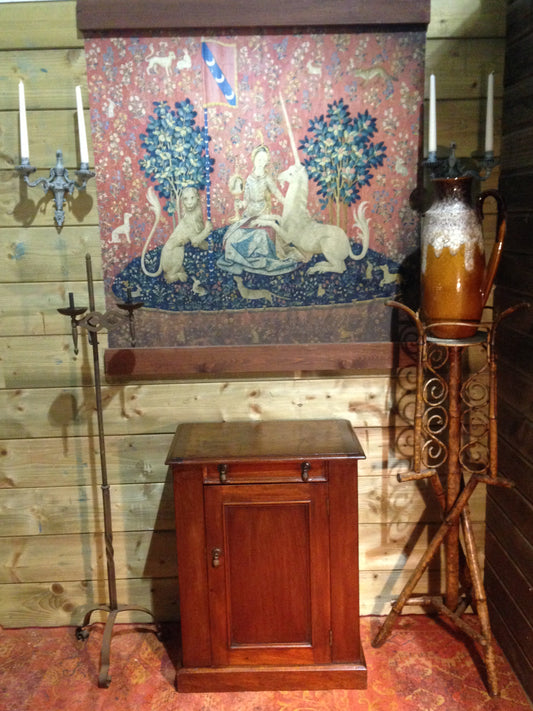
{"type": "Point", "coordinates": [265, 471]}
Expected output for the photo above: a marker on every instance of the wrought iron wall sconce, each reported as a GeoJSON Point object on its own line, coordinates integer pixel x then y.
{"type": "Point", "coordinates": [452, 167]}
{"type": "Point", "coordinates": [58, 182]}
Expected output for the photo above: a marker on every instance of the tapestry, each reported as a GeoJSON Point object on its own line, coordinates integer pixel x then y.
{"type": "Point", "coordinates": [254, 188]}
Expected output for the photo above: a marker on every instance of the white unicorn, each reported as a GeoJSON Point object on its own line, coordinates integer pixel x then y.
{"type": "Point", "coordinates": [296, 227]}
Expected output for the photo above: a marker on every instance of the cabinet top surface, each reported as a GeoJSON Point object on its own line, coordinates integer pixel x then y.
{"type": "Point", "coordinates": [280, 439]}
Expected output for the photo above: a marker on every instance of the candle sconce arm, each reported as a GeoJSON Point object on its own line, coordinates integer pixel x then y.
{"type": "Point", "coordinates": [58, 182]}
{"type": "Point", "coordinates": [73, 312]}
{"type": "Point", "coordinates": [452, 167]}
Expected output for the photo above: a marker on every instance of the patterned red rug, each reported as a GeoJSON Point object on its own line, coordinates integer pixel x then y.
{"type": "Point", "coordinates": [425, 665]}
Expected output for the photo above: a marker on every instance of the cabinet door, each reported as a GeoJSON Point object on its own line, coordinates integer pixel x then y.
{"type": "Point", "coordinates": [268, 572]}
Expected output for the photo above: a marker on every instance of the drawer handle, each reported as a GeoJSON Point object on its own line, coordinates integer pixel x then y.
{"type": "Point", "coordinates": [223, 473]}
{"type": "Point", "coordinates": [215, 557]}
{"type": "Point", "coordinates": [306, 466]}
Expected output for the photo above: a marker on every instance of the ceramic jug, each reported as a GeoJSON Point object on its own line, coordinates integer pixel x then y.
{"type": "Point", "coordinates": [455, 279]}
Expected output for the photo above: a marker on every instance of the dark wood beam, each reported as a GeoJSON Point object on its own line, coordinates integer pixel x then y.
{"type": "Point", "coordinates": [103, 15]}
{"type": "Point", "coordinates": [162, 363]}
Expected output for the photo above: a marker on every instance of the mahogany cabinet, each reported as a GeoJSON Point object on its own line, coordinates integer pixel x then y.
{"type": "Point", "coordinates": [266, 525]}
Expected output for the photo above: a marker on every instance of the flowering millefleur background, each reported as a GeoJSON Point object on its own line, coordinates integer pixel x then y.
{"type": "Point", "coordinates": [159, 122]}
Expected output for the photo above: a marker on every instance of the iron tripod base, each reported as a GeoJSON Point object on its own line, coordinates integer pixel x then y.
{"type": "Point", "coordinates": [82, 633]}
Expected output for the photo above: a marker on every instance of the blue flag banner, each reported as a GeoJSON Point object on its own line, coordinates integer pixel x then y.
{"type": "Point", "coordinates": [220, 73]}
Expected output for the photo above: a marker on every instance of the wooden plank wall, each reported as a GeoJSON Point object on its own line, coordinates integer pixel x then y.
{"type": "Point", "coordinates": [52, 558]}
{"type": "Point", "coordinates": [509, 570]}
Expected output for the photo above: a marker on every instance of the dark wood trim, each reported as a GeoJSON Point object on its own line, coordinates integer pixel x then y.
{"type": "Point", "coordinates": [344, 540]}
{"type": "Point", "coordinates": [161, 363]}
{"type": "Point", "coordinates": [513, 465]}
{"type": "Point", "coordinates": [515, 186]}
{"type": "Point", "coordinates": [520, 663]}
{"type": "Point", "coordinates": [509, 544]}
{"type": "Point", "coordinates": [515, 581]}
{"type": "Point", "coordinates": [190, 535]}
{"type": "Point", "coordinates": [103, 15]}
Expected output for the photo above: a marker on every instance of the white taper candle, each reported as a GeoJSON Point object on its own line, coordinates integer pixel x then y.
{"type": "Point", "coordinates": [24, 145]}
{"type": "Point", "coordinates": [489, 123]}
{"type": "Point", "coordinates": [84, 151]}
{"type": "Point", "coordinates": [432, 139]}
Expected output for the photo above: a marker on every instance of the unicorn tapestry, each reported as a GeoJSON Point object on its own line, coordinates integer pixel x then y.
{"type": "Point", "coordinates": [254, 188]}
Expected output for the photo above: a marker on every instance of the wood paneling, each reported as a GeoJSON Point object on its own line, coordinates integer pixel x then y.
{"type": "Point", "coordinates": [464, 123]}
{"type": "Point", "coordinates": [516, 582]}
{"type": "Point", "coordinates": [34, 559]}
{"type": "Point", "coordinates": [30, 309]}
{"type": "Point", "coordinates": [43, 255]}
{"type": "Point", "coordinates": [514, 617]}
{"type": "Point", "coordinates": [51, 546]}
{"type": "Point", "coordinates": [63, 603]}
{"type": "Point", "coordinates": [461, 68]}
{"type": "Point", "coordinates": [136, 459]}
{"type": "Point", "coordinates": [519, 18]}
{"type": "Point", "coordinates": [136, 409]}
{"type": "Point", "coordinates": [509, 572]}
{"type": "Point", "coordinates": [517, 267]}
{"type": "Point", "coordinates": [21, 206]}
{"type": "Point", "coordinates": [58, 364]}
{"type": "Point", "coordinates": [60, 129]}
{"type": "Point", "coordinates": [457, 18]}
{"type": "Point", "coordinates": [514, 465]}
{"type": "Point", "coordinates": [517, 430]}
{"type": "Point", "coordinates": [38, 24]}
{"type": "Point", "coordinates": [517, 149]}
{"type": "Point", "coordinates": [64, 461]}
{"type": "Point", "coordinates": [77, 508]}
{"type": "Point", "coordinates": [49, 75]}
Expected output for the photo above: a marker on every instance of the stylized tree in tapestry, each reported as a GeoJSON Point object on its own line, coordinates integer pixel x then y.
{"type": "Point", "coordinates": [175, 152]}
{"type": "Point", "coordinates": [340, 154]}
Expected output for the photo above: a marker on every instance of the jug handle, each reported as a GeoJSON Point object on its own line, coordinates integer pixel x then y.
{"type": "Point", "coordinates": [500, 235]}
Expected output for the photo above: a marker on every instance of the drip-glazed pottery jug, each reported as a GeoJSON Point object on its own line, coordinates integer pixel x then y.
{"type": "Point", "coordinates": [455, 280]}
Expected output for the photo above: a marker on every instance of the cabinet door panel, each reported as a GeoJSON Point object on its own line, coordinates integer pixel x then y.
{"type": "Point", "coordinates": [269, 581]}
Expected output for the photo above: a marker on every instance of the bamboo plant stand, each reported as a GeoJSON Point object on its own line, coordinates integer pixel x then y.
{"type": "Point", "coordinates": [455, 447]}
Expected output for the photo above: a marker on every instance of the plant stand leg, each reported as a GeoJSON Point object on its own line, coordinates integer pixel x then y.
{"type": "Point", "coordinates": [446, 526]}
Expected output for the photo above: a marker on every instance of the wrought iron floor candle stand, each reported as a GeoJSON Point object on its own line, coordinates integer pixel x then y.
{"type": "Point", "coordinates": [93, 322]}
{"type": "Point", "coordinates": [455, 426]}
